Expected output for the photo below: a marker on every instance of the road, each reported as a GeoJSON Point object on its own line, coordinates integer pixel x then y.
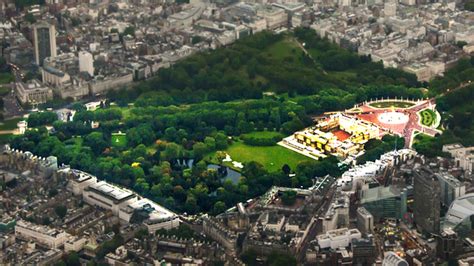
{"type": "Point", "coordinates": [11, 106]}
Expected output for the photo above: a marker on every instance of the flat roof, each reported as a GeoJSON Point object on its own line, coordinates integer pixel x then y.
{"type": "Point", "coordinates": [110, 191]}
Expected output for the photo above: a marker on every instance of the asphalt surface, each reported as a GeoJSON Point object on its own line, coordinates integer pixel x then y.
{"type": "Point", "coordinates": [11, 107]}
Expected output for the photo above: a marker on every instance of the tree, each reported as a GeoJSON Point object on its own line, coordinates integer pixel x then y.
{"type": "Point", "coordinates": [41, 118]}
{"type": "Point", "coordinates": [96, 142]}
{"type": "Point", "coordinates": [219, 207]}
{"type": "Point", "coordinates": [73, 259]}
{"type": "Point", "coordinates": [288, 197]}
{"type": "Point", "coordinates": [210, 143]}
{"type": "Point", "coordinates": [60, 211]}
{"type": "Point", "coordinates": [199, 150]}
{"type": "Point", "coordinates": [221, 141]}
{"type": "Point", "coordinates": [286, 169]}
{"type": "Point", "coordinates": [130, 30]}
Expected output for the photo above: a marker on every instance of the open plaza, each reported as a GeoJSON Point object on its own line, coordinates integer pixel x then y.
{"type": "Point", "coordinates": [344, 134]}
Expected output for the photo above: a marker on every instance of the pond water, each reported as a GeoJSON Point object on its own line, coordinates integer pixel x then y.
{"type": "Point", "coordinates": [231, 174]}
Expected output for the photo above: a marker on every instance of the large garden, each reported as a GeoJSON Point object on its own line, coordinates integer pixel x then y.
{"type": "Point", "coordinates": [261, 147]}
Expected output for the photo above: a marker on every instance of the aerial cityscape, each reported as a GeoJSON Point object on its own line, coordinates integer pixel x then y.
{"type": "Point", "coordinates": [237, 132]}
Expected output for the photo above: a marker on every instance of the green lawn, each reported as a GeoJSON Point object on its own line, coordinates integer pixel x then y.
{"type": "Point", "coordinates": [9, 124]}
{"type": "Point", "coordinates": [398, 104]}
{"type": "Point", "coordinates": [285, 48]}
{"type": "Point", "coordinates": [6, 78]}
{"type": "Point", "coordinates": [428, 117]}
{"type": "Point", "coordinates": [4, 138]}
{"type": "Point", "coordinates": [263, 134]}
{"type": "Point", "coordinates": [271, 157]}
{"type": "Point", "coordinates": [119, 140]}
{"type": "Point", "coordinates": [4, 91]}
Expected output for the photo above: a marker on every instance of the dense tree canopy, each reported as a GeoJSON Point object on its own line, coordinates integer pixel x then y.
{"type": "Point", "coordinates": [201, 105]}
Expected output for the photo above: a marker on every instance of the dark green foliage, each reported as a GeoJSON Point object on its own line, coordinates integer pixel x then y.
{"type": "Point", "coordinates": [41, 118]}
{"type": "Point", "coordinates": [374, 148]}
{"type": "Point", "coordinates": [247, 68]}
{"type": "Point", "coordinates": [60, 211]}
{"type": "Point", "coordinates": [183, 231]}
{"type": "Point", "coordinates": [26, 3]}
{"type": "Point", "coordinates": [192, 108]}
{"type": "Point", "coordinates": [469, 5]}
{"type": "Point", "coordinates": [460, 74]}
{"type": "Point", "coordinates": [456, 109]}
{"type": "Point", "coordinates": [109, 246]}
{"type": "Point", "coordinates": [288, 197]}
{"type": "Point", "coordinates": [261, 141]}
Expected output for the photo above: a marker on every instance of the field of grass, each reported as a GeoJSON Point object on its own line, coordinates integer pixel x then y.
{"type": "Point", "coordinates": [119, 140]}
{"type": "Point", "coordinates": [9, 124]}
{"type": "Point", "coordinates": [4, 91]}
{"type": "Point", "coordinates": [263, 134]}
{"type": "Point", "coordinates": [4, 138]}
{"type": "Point", "coordinates": [397, 104]}
{"type": "Point", "coordinates": [6, 78]}
{"type": "Point", "coordinates": [271, 157]}
{"type": "Point", "coordinates": [285, 48]}
{"type": "Point", "coordinates": [428, 117]}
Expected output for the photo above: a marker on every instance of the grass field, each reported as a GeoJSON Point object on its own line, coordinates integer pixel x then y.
{"type": "Point", "coordinates": [397, 104]}
{"type": "Point", "coordinates": [4, 138]}
{"type": "Point", "coordinates": [271, 157]}
{"type": "Point", "coordinates": [4, 91]}
{"type": "Point", "coordinates": [6, 78]}
{"type": "Point", "coordinates": [119, 140]}
{"type": "Point", "coordinates": [428, 117]}
{"type": "Point", "coordinates": [263, 134]}
{"type": "Point", "coordinates": [9, 124]}
{"type": "Point", "coordinates": [285, 48]}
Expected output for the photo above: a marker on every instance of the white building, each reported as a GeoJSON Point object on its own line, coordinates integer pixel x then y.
{"type": "Point", "coordinates": [463, 157]}
{"type": "Point", "coordinates": [275, 17]}
{"type": "Point", "coordinates": [52, 238]}
{"type": "Point", "coordinates": [108, 196]}
{"type": "Point", "coordinates": [121, 202]}
{"type": "Point", "coordinates": [158, 216]}
{"type": "Point", "coordinates": [392, 259]}
{"type": "Point", "coordinates": [390, 9]}
{"type": "Point", "coordinates": [74, 244]}
{"type": "Point", "coordinates": [339, 238]}
{"type": "Point", "coordinates": [365, 220]}
{"type": "Point", "coordinates": [33, 92]}
{"type": "Point", "coordinates": [86, 62]}
{"type": "Point", "coordinates": [451, 188]}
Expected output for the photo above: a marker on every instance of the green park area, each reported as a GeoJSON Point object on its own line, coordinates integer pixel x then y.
{"type": "Point", "coordinates": [9, 124]}
{"type": "Point", "coordinates": [271, 157]}
{"type": "Point", "coordinates": [6, 78]}
{"type": "Point", "coordinates": [285, 49]}
{"type": "Point", "coordinates": [428, 117]}
{"type": "Point", "coordinates": [263, 135]}
{"type": "Point", "coordinates": [396, 104]}
{"type": "Point", "coordinates": [119, 140]}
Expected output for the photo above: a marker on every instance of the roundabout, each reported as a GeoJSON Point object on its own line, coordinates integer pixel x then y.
{"type": "Point", "coordinates": [401, 117]}
{"type": "Point", "coordinates": [393, 118]}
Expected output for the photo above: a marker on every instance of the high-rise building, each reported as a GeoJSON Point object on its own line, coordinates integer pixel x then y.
{"type": "Point", "coordinates": [451, 188]}
{"type": "Point", "coordinates": [427, 201]}
{"type": "Point", "coordinates": [86, 62]}
{"type": "Point", "coordinates": [44, 37]}
{"type": "Point", "coordinates": [449, 245]}
{"type": "Point", "coordinates": [365, 220]}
